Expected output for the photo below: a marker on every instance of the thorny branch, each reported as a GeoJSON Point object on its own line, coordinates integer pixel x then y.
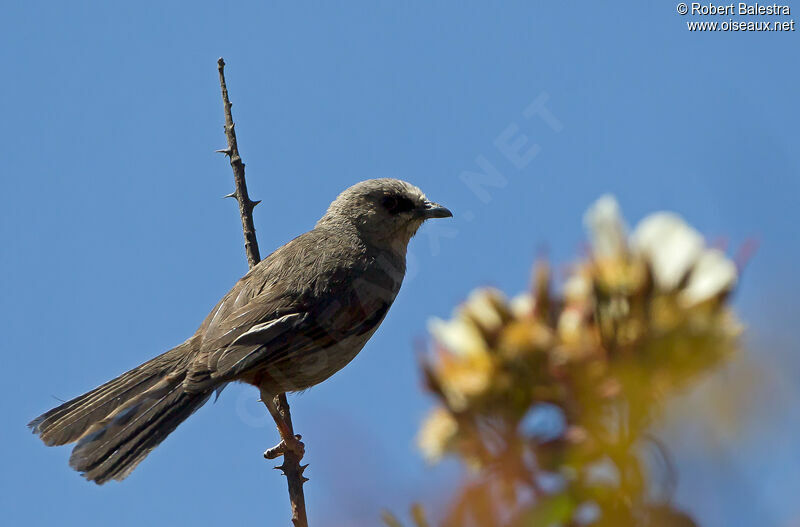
{"type": "Point", "coordinates": [279, 406]}
{"type": "Point", "coordinates": [246, 206]}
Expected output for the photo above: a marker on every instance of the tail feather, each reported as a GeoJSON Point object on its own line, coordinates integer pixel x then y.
{"type": "Point", "coordinates": [136, 451]}
{"type": "Point", "coordinates": [120, 422]}
{"type": "Point", "coordinates": [68, 422]}
{"type": "Point", "coordinates": [113, 447]}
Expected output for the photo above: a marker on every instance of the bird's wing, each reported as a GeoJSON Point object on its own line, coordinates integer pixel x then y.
{"type": "Point", "coordinates": [329, 323]}
{"type": "Point", "coordinates": [308, 295]}
{"type": "Point", "coordinates": [252, 323]}
{"type": "Point", "coordinates": [267, 341]}
{"type": "Point", "coordinates": [265, 294]}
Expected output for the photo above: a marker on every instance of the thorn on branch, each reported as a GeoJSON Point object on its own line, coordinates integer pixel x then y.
{"type": "Point", "coordinates": [226, 151]}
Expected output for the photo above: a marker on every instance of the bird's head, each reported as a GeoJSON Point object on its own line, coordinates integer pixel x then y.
{"type": "Point", "coordinates": [384, 210]}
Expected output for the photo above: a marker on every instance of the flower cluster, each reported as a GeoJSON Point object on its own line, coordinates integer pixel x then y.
{"type": "Point", "coordinates": [548, 397]}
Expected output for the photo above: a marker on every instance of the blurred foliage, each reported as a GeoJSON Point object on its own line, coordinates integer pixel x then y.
{"type": "Point", "coordinates": [549, 399]}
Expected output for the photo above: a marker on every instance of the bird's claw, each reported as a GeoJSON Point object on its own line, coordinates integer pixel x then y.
{"type": "Point", "coordinates": [294, 445]}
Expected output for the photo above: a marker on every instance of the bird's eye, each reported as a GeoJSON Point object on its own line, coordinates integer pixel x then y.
{"type": "Point", "coordinates": [389, 203]}
{"type": "Point", "coordinates": [396, 205]}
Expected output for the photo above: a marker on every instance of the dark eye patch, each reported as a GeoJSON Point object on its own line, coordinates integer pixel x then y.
{"type": "Point", "coordinates": [397, 204]}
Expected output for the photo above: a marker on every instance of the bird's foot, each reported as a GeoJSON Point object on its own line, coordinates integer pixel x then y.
{"type": "Point", "coordinates": [294, 445]}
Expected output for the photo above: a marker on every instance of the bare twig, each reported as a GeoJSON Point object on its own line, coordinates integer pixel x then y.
{"type": "Point", "coordinates": [246, 206]}
{"type": "Point", "coordinates": [290, 447]}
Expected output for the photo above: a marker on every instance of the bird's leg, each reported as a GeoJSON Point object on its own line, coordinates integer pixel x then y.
{"type": "Point", "coordinates": [289, 441]}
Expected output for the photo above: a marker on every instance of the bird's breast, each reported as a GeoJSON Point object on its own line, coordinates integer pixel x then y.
{"type": "Point", "coordinates": [344, 322]}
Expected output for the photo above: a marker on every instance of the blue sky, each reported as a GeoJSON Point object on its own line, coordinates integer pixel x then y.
{"type": "Point", "coordinates": [117, 242]}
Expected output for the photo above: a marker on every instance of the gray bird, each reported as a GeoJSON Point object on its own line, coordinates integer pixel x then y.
{"type": "Point", "coordinates": [295, 319]}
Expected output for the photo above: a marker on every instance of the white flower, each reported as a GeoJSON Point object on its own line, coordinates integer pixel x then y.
{"type": "Point", "coordinates": [670, 245]}
{"type": "Point", "coordinates": [462, 334]}
{"type": "Point", "coordinates": [578, 288]}
{"type": "Point", "coordinates": [606, 227]}
{"type": "Point", "coordinates": [522, 305]}
{"type": "Point", "coordinates": [436, 434]}
{"type": "Point", "coordinates": [482, 305]}
{"type": "Point", "coordinates": [712, 275]}
{"type": "Point", "coordinates": [459, 336]}
{"type": "Point", "coordinates": [571, 325]}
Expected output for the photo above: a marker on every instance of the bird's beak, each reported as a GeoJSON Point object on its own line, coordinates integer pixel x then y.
{"type": "Point", "coordinates": [434, 210]}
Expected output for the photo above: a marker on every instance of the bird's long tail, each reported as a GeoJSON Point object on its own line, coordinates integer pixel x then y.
{"type": "Point", "coordinates": [119, 423]}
